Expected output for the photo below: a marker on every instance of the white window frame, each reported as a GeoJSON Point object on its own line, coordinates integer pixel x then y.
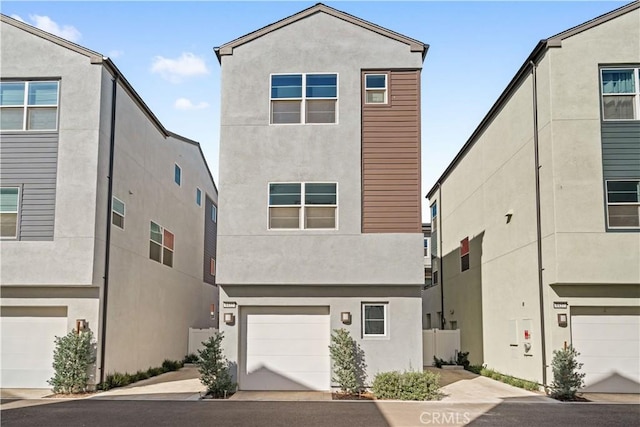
{"type": "Point", "coordinates": [17, 212]}
{"type": "Point", "coordinates": [385, 89]}
{"type": "Point", "coordinates": [113, 211]}
{"type": "Point", "coordinates": [606, 194]}
{"type": "Point", "coordinates": [175, 165]}
{"type": "Point", "coordinates": [386, 319]}
{"type": "Point", "coordinates": [198, 196]}
{"type": "Point", "coordinates": [25, 106]}
{"type": "Point", "coordinates": [303, 99]}
{"type": "Point", "coordinates": [636, 94]}
{"type": "Point", "coordinates": [214, 213]}
{"type": "Point", "coordinates": [302, 205]}
{"type": "Point", "coordinates": [162, 245]}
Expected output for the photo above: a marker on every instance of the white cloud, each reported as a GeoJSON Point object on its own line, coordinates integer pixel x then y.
{"type": "Point", "coordinates": [174, 70]}
{"type": "Point", "coordinates": [115, 54]}
{"type": "Point", "coordinates": [186, 104]}
{"type": "Point", "coordinates": [47, 24]}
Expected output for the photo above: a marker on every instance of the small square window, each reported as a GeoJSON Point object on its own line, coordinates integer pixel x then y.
{"type": "Point", "coordinates": [623, 204]}
{"type": "Point", "coordinates": [117, 213]}
{"type": "Point", "coordinates": [29, 105]}
{"type": "Point", "coordinates": [374, 320]}
{"type": "Point", "coordinates": [177, 174]}
{"type": "Point", "coordinates": [9, 201]}
{"type": "Point", "coordinates": [375, 87]}
{"type": "Point", "coordinates": [198, 197]}
{"type": "Point", "coordinates": [161, 244]}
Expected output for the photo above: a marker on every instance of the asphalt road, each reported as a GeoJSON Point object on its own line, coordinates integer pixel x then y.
{"type": "Point", "coordinates": [98, 413]}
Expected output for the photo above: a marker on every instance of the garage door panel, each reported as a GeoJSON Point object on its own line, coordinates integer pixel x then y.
{"type": "Point", "coordinates": [27, 350]}
{"type": "Point", "coordinates": [286, 332]}
{"type": "Point", "coordinates": [609, 347]}
{"type": "Point", "coordinates": [283, 364]}
{"type": "Point", "coordinates": [304, 347]}
{"type": "Point", "coordinates": [270, 319]}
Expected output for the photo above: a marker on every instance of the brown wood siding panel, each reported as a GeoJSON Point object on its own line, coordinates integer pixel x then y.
{"type": "Point", "coordinates": [391, 200]}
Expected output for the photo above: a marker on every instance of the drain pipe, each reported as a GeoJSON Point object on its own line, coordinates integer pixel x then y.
{"type": "Point", "coordinates": [534, 69]}
{"type": "Point", "coordinates": [105, 290]}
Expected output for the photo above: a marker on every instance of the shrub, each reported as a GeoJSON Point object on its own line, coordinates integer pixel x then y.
{"type": "Point", "coordinates": [462, 359]}
{"type": "Point", "coordinates": [72, 356]}
{"type": "Point", "coordinates": [476, 369]}
{"type": "Point", "coordinates": [508, 379]}
{"type": "Point", "coordinates": [115, 380]}
{"type": "Point", "coordinates": [171, 365]}
{"type": "Point", "coordinates": [566, 376]}
{"type": "Point", "coordinates": [348, 362]}
{"type": "Point", "coordinates": [190, 358]}
{"type": "Point", "coordinates": [118, 379]}
{"type": "Point", "coordinates": [406, 385]}
{"type": "Point", "coordinates": [155, 371]}
{"type": "Point", "coordinates": [214, 367]}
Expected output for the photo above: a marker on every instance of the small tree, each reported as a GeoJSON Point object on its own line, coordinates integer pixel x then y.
{"type": "Point", "coordinates": [72, 356]}
{"type": "Point", "coordinates": [214, 367]}
{"type": "Point", "coordinates": [348, 361]}
{"type": "Point", "coordinates": [566, 376]}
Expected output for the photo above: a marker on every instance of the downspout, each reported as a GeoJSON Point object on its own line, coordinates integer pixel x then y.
{"type": "Point", "coordinates": [534, 68]}
{"type": "Point", "coordinates": [105, 291]}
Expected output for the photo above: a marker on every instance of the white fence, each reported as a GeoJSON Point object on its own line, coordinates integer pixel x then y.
{"type": "Point", "coordinates": [443, 344]}
{"type": "Point", "coordinates": [197, 336]}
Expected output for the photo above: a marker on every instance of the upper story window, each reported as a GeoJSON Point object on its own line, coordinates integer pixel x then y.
{"type": "Point", "coordinates": [9, 197]}
{"type": "Point", "coordinates": [161, 244]}
{"type": "Point", "coordinates": [620, 93]}
{"type": "Point", "coordinates": [198, 197]}
{"type": "Point", "coordinates": [426, 247]}
{"type": "Point", "coordinates": [464, 254]}
{"type": "Point", "coordinates": [117, 213]}
{"type": "Point", "coordinates": [304, 98]}
{"type": "Point", "coordinates": [177, 174]}
{"type": "Point", "coordinates": [623, 204]}
{"type": "Point", "coordinates": [375, 88]}
{"type": "Point", "coordinates": [214, 213]}
{"type": "Point", "coordinates": [303, 205]}
{"type": "Point", "coordinates": [28, 105]}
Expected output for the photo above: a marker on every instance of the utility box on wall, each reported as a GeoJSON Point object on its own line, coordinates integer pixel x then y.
{"type": "Point", "coordinates": [526, 337]}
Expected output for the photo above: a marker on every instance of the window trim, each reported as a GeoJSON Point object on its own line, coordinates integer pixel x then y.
{"type": "Point", "coordinates": [214, 213]}
{"type": "Point", "coordinates": [607, 204]}
{"type": "Point", "coordinates": [17, 212]}
{"type": "Point", "coordinates": [162, 245]}
{"type": "Point", "coordinates": [176, 168]}
{"type": "Point", "coordinates": [302, 205]}
{"type": "Point", "coordinates": [386, 87]}
{"type": "Point", "coordinates": [303, 99]}
{"type": "Point", "coordinates": [386, 319]}
{"type": "Point", "coordinates": [212, 266]}
{"type": "Point", "coordinates": [25, 105]}
{"type": "Point", "coordinates": [113, 211]}
{"type": "Point", "coordinates": [198, 196]}
{"type": "Point", "coordinates": [636, 94]}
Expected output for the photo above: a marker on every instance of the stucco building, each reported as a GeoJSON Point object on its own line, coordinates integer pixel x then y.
{"type": "Point", "coordinates": [108, 220]}
{"type": "Point", "coordinates": [320, 189]}
{"type": "Point", "coordinates": [536, 220]}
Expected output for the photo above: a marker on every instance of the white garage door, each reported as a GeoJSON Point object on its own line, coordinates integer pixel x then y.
{"type": "Point", "coordinates": [286, 348]}
{"type": "Point", "coordinates": [27, 350]}
{"type": "Point", "coordinates": [609, 347]}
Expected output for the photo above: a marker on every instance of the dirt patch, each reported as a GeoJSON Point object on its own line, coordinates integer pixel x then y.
{"type": "Point", "coordinates": [352, 396]}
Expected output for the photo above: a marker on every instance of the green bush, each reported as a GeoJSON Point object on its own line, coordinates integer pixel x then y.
{"type": "Point", "coordinates": [508, 379]}
{"type": "Point", "coordinates": [115, 380]}
{"type": "Point", "coordinates": [214, 368]}
{"type": "Point", "coordinates": [72, 356]}
{"type": "Point", "coordinates": [118, 379]}
{"type": "Point", "coordinates": [140, 375]}
{"type": "Point", "coordinates": [476, 369]}
{"type": "Point", "coordinates": [190, 358]}
{"type": "Point", "coordinates": [566, 376]}
{"type": "Point", "coordinates": [462, 359]}
{"type": "Point", "coordinates": [406, 385]}
{"type": "Point", "coordinates": [155, 371]}
{"type": "Point", "coordinates": [171, 365]}
{"type": "Point", "coordinates": [348, 362]}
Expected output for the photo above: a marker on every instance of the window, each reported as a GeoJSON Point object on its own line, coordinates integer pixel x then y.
{"type": "Point", "coordinates": [434, 278]}
{"type": "Point", "coordinates": [428, 322]}
{"type": "Point", "coordinates": [620, 93]}
{"type": "Point", "coordinates": [9, 197]}
{"type": "Point", "coordinates": [464, 254]}
{"type": "Point", "coordinates": [434, 232]}
{"type": "Point", "coordinates": [303, 98]}
{"type": "Point", "coordinates": [426, 247]}
{"type": "Point", "coordinates": [161, 245]}
{"type": "Point", "coordinates": [623, 204]}
{"type": "Point", "coordinates": [177, 174]}
{"type": "Point", "coordinates": [117, 213]}
{"type": "Point", "coordinates": [375, 88]}
{"type": "Point", "coordinates": [198, 197]}
{"type": "Point", "coordinates": [212, 266]}
{"type": "Point", "coordinates": [302, 205]}
{"type": "Point", "coordinates": [214, 213]}
{"type": "Point", "coordinates": [374, 320]}
{"type": "Point", "coordinates": [30, 105]}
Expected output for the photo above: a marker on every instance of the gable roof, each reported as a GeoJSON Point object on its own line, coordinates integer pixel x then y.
{"type": "Point", "coordinates": [99, 59]}
{"type": "Point", "coordinates": [227, 48]}
{"type": "Point", "coordinates": [532, 60]}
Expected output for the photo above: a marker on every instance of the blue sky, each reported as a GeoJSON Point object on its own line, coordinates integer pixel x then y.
{"type": "Point", "coordinates": [165, 50]}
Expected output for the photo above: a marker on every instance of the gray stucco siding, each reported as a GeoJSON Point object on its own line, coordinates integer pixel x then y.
{"type": "Point", "coordinates": [621, 149]}
{"type": "Point", "coordinates": [28, 161]}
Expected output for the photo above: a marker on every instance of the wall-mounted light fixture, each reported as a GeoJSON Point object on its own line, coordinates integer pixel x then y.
{"type": "Point", "coordinates": [562, 320]}
{"type": "Point", "coordinates": [229, 318]}
{"type": "Point", "coordinates": [345, 317]}
{"type": "Point", "coordinates": [81, 325]}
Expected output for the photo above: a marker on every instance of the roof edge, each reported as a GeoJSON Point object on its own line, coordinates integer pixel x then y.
{"type": "Point", "coordinates": [227, 48]}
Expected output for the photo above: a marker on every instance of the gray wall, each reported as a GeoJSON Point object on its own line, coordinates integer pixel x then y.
{"type": "Point", "coordinates": [29, 161]}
